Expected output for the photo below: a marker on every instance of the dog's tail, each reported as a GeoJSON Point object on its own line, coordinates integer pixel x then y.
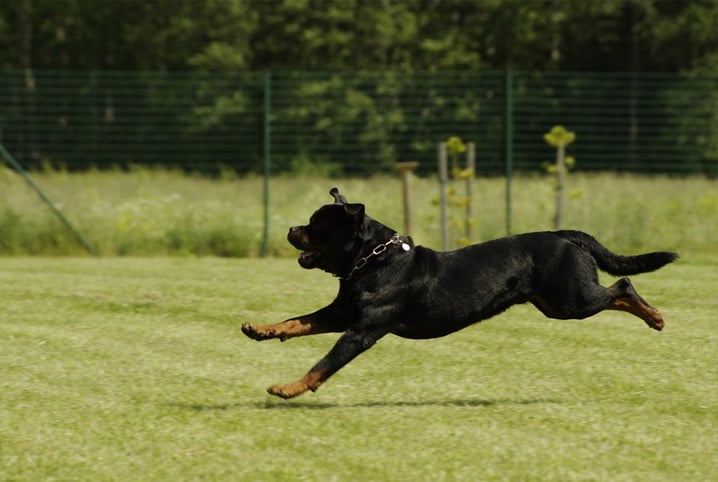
{"type": "Point", "coordinates": [617, 264]}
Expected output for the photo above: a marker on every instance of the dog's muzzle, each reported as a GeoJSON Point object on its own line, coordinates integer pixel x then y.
{"type": "Point", "coordinates": [298, 238]}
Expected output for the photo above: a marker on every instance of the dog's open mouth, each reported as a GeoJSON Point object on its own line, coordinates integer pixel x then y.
{"type": "Point", "coordinates": [309, 259]}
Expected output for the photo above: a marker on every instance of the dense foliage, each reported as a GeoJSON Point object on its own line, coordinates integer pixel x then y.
{"type": "Point", "coordinates": [357, 85]}
{"type": "Point", "coordinates": [606, 35]}
{"type": "Point", "coordinates": [611, 35]}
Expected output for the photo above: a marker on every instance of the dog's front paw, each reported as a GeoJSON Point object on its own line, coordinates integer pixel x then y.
{"type": "Point", "coordinates": [257, 332]}
{"type": "Point", "coordinates": [289, 390]}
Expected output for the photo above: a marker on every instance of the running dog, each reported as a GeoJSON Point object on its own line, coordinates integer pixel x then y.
{"type": "Point", "coordinates": [389, 285]}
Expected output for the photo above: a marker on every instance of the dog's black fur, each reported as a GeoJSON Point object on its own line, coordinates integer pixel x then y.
{"type": "Point", "coordinates": [388, 285]}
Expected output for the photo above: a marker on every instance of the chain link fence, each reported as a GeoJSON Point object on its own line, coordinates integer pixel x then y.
{"type": "Point", "coordinates": [357, 123]}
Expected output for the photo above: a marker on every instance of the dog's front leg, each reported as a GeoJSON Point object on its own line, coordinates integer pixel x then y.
{"type": "Point", "coordinates": [326, 320]}
{"type": "Point", "coordinates": [349, 346]}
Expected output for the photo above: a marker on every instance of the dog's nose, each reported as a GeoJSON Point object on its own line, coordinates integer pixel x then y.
{"type": "Point", "coordinates": [294, 232]}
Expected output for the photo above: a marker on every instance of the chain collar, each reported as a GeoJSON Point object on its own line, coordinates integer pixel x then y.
{"type": "Point", "coordinates": [376, 252]}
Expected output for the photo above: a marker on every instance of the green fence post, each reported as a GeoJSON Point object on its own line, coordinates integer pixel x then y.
{"type": "Point", "coordinates": [267, 157]}
{"type": "Point", "coordinates": [18, 168]}
{"type": "Point", "coordinates": [508, 146]}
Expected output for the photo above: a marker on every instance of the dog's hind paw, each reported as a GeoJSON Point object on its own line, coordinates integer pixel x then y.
{"type": "Point", "coordinates": [654, 319]}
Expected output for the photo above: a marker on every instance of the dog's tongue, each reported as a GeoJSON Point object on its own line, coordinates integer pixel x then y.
{"type": "Point", "coordinates": [306, 254]}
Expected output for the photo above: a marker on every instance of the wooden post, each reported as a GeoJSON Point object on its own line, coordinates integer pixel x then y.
{"type": "Point", "coordinates": [406, 169]}
{"type": "Point", "coordinates": [443, 181]}
{"type": "Point", "coordinates": [471, 167]}
{"type": "Point", "coordinates": [560, 177]}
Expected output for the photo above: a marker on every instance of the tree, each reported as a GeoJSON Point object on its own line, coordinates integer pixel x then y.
{"type": "Point", "coordinates": [559, 137]}
{"type": "Point", "coordinates": [621, 35]}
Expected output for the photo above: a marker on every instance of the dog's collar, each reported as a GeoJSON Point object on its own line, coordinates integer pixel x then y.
{"type": "Point", "coordinates": [396, 239]}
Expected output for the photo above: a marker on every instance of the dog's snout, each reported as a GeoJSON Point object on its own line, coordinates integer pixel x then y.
{"type": "Point", "coordinates": [296, 233]}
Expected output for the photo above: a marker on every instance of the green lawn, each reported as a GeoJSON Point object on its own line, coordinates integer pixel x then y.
{"type": "Point", "coordinates": [136, 369]}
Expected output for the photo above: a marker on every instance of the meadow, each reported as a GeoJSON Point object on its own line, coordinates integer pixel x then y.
{"type": "Point", "coordinates": [136, 369]}
{"type": "Point", "coordinates": [132, 365]}
{"type": "Point", "coordinates": [147, 213]}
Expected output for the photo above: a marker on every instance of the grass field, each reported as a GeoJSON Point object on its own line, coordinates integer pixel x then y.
{"type": "Point", "coordinates": [148, 213]}
{"type": "Point", "coordinates": [136, 369]}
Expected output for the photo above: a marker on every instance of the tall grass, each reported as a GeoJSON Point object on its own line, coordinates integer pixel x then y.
{"type": "Point", "coordinates": [159, 212]}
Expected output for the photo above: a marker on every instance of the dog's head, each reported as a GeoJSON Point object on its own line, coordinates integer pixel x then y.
{"type": "Point", "coordinates": [332, 237]}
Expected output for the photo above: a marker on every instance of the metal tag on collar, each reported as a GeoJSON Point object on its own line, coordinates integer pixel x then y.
{"type": "Point", "coordinates": [397, 240]}
{"type": "Point", "coordinates": [376, 252]}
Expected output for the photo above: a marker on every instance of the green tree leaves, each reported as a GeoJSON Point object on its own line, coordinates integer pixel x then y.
{"type": "Point", "coordinates": [615, 35]}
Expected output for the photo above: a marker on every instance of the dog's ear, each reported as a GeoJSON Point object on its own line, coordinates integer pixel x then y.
{"type": "Point", "coordinates": [355, 212]}
{"type": "Point", "coordinates": [338, 198]}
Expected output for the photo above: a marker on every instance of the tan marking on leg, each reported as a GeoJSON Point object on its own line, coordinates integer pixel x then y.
{"type": "Point", "coordinates": [649, 314]}
{"type": "Point", "coordinates": [283, 331]}
{"type": "Point", "coordinates": [311, 381]}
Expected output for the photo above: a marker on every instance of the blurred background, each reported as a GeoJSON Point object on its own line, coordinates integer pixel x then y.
{"type": "Point", "coordinates": [348, 88]}
{"type": "Point", "coordinates": [353, 86]}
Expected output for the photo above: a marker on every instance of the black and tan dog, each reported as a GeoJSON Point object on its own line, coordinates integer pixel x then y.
{"type": "Point", "coordinates": [388, 285]}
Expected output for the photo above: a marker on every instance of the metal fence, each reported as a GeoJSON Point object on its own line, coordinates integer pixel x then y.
{"type": "Point", "coordinates": [357, 123]}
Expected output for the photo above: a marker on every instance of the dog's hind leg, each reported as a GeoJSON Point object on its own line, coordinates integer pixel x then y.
{"type": "Point", "coordinates": [325, 320]}
{"type": "Point", "coordinates": [628, 300]}
{"type": "Point", "coordinates": [579, 297]}
{"type": "Point", "coordinates": [348, 347]}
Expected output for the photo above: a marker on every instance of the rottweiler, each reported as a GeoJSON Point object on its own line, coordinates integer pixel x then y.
{"type": "Point", "coordinates": [389, 285]}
